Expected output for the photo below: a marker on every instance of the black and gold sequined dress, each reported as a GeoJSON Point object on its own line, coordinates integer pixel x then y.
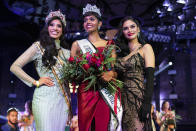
{"type": "Point", "coordinates": [131, 72]}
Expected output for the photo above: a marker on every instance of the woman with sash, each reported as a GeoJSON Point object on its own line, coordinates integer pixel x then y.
{"type": "Point", "coordinates": [51, 104]}
{"type": "Point", "coordinates": [95, 110]}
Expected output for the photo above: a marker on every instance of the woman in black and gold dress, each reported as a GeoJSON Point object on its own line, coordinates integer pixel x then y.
{"type": "Point", "coordinates": [135, 63]}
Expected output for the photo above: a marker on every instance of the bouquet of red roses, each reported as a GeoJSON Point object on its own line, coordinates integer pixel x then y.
{"type": "Point", "coordinates": [89, 67]}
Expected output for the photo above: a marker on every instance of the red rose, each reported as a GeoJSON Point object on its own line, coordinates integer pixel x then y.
{"type": "Point", "coordinates": [101, 57]}
{"type": "Point", "coordinates": [71, 59]}
{"type": "Point", "coordinates": [93, 60]}
{"type": "Point", "coordinates": [111, 42]}
{"type": "Point", "coordinates": [88, 55]}
{"type": "Point", "coordinates": [86, 66]}
{"type": "Point", "coordinates": [98, 63]}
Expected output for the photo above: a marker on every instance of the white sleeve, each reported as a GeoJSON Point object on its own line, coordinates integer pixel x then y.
{"type": "Point", "coordinates": [28, 56]}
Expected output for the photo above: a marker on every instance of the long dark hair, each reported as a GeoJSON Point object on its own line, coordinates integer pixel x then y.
{"type": "Point", "coordinates": [122, 42]}
{"type": "Point", "coordinates": [48, 44]}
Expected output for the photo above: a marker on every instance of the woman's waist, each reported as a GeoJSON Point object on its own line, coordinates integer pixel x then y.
{"type": "Point", "coordinates": [137, 73]}
{"type": "Point", "coordinates": [83, 87]}
{"type": "Point", "coordinates": [133, 76]}
{"type": "Point", "coordinates": [47, 90]}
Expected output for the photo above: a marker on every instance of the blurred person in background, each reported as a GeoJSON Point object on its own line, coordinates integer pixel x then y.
{"type": "Point", "coordinates": [26, 122]}
{"type": "Point", "coordinates": [12, 123]}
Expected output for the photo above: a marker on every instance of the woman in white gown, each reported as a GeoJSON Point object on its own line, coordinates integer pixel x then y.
{"type": "Point", "coordinates": [50, 105]}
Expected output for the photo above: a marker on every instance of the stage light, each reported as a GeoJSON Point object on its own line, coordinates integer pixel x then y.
{"type": "Point", "coordinates": [158, 11]}
{"type": "Point", "coordinates": [166, 3]}
{"type": "Point", "coordinates": [181, 1]}
{"type": "Point", "coordinates": [173, 96]}
{"type": "Point", "coordinates": [170, 8]}
{"type": "Point", "coordinates": [162, 68]}
{"type": "Point", "coordinates": [161, 14]}
{"type": "Point", "coordinates": [77, 33]}
{"type": "Point", "coordinates": [172, 72]}
{"type": "Point", "coordinates": [181, 17]}
{"type": "Point", "coordinates": [170, 63]}
{"type": "Point", "coordinates": [195, 17]}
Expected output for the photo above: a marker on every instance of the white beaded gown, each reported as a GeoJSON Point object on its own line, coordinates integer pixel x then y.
{"type": "Point", "coordinates": [49, 106]}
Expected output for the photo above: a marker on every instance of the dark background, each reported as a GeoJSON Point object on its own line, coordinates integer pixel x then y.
{"type": "Point", "coordinates": [172, 33]}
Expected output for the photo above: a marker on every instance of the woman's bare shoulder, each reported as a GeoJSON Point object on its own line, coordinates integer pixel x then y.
{"type": "Point", "coordinates": [75, 43]}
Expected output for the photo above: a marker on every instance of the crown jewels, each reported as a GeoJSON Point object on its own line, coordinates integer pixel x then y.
{"type": "Point", "coordinates": [90, 8]}
{"type": "Point", "coordinates": [56, 13]}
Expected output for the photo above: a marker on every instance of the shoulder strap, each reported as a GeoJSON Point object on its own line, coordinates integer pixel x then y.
{"type": "Point", "coordinates": [86, 46]}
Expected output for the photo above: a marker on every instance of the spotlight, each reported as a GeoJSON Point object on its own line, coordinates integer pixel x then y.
{"type": "Point", "coordinates": [162, 68]}
{"type": "Point", "coordinates": [181, 1]}
{"type": "Point", "coordinates": [171, 82]}
{"type": "Point", "coordinates": [161, 14]}
{"type": "Point", "coordinates": [158, 11]}
{"type": "Point", "coordinates": [166, 3]}
{"type": "Point", "coordinates": [195, 17]}
{"type": "Point", "coordinates": [77, 33]}
{"type": "Point", "coordinates": [170, 63]}
{"type": "Point", "coordinates": [170, 8]}
{"type": "Point", "coordinates": [181, 17]}
{"type": "Point", "coordinates": [11, 81]}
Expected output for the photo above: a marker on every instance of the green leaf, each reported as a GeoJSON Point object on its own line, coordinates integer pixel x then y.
{"type": "Point", "coordinates": [91, 83]}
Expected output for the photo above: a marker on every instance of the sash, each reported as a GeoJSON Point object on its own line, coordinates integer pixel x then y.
{"type": "Point", "coordinates": [65, 94]}
{"type": "Point", "coordinates": [115, 118]}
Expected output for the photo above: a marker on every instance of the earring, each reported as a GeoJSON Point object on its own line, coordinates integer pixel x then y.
{"type": "Point", "coordinates": [138, 35]}
{"type": "Point", "coordinates": [99, 27]}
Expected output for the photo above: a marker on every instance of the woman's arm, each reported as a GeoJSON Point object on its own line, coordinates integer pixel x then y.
{"type": "Point", "coordinates": [74, 49]}
{"type": "Point", "coordinates": [109, 75]}
{"type": "Point", "coordinates": [29, 55]}
{"type": "Point", "coordinates": [16, 68]}
{"type": "Point", "coordinates": [149, 57]}
{"type": "Point", "coordinates": [158, 119]}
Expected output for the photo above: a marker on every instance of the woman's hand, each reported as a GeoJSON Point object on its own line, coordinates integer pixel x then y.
{"type": "Point", "coordinates": [108, 76]}
{"type": "Point", "coordinates": [45, 81]}
{"type": "Point", "coordinates": [74, 124]}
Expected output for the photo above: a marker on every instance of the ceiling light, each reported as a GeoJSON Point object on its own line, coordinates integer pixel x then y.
{"type": "Point", "coordinates": [181, 17]}
{"type": "Point", "coordinates": [158, 11]}
{"type": "Point", "coordinates": [181, 1]}
{"type": "Point", "coordinates": [170, 8]}
{"type": "Point", "coordinates": [166, 3]}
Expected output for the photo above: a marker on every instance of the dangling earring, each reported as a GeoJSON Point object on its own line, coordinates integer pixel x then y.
{"type": "Point", "coordinates": [99, 27]}
{"type": "Point", "coordinates": [138, 35]}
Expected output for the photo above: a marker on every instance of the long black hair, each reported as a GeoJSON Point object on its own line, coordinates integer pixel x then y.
{"type": "Point", "coordinates": [122, 42]}
{"type": "Point", "coordinates": [48, 44]}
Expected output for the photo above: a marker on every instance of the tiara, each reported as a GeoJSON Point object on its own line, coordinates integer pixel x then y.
{"type": "Point", "coordinates": [12, 108]}
{"type": "Point", "coordinates": [55, 13]}
{"type": "Point", "coordinates": [90, 8]}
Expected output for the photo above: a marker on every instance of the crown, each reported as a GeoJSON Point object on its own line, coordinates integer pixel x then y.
{"type": "Point", "coordinates": [56, 13]}
{"type": "Point", "coordinates": [90, 8]}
